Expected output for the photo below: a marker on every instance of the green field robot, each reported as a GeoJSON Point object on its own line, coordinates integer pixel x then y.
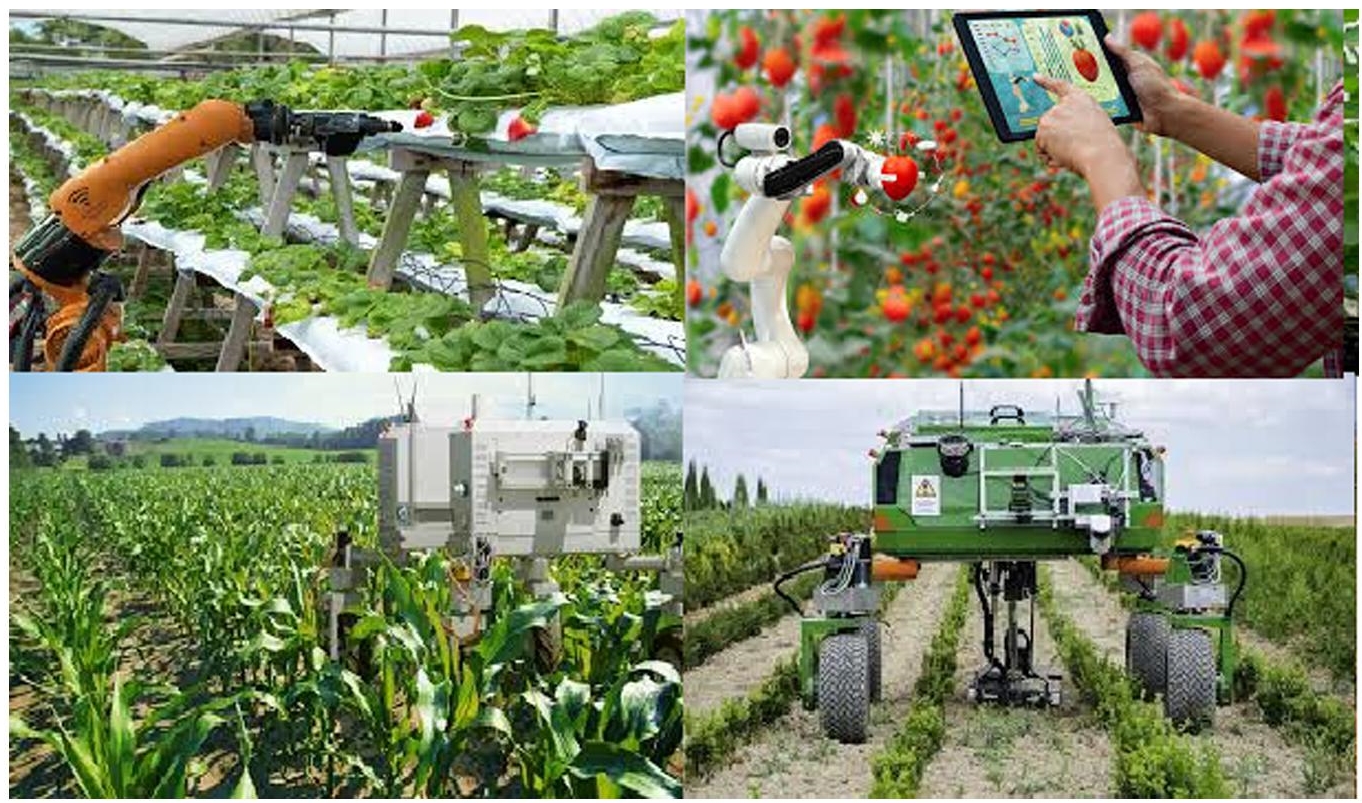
{"type": "Point", "coordinates": [1002, 490]}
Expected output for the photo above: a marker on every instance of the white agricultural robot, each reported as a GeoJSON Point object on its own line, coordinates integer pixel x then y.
{"type": "Point", "coordinates": [754, 253]}
{"type": "Point", "coordinates": [524, 490]}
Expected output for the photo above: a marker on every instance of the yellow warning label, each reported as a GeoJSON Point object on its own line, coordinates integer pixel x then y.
{"type": "Point", "coordinates": [926, 495]}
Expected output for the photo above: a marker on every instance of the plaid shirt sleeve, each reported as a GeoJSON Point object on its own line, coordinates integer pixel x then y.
{"type": "Point", "coordinates": [1257, 295]}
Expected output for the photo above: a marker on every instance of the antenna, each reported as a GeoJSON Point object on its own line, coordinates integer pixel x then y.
{"type": "Point", "coordinates": [962, 405]}
{"type": "Point", "coordinates": [529, 396]}
{"type": "Point", "coordinates": [600, 408]}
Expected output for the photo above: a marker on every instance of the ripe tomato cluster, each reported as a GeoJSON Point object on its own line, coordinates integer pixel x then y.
{"type": "Point", "coordinates": [983, 277]}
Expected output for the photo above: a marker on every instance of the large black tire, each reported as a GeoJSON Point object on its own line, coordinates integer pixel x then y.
{"type": "Point", "coordinates": [844, 686]}
{"type": "Point", "coordinates": [871, 630]}
{"type": "Point", "coordinates": [1189, 700]}
{"type": "Point", "coordinates": [1147, 651]}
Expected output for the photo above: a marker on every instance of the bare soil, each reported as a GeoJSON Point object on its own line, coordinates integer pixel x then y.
{"type": "Point", "coordinates": [1257, 759]}
{"type": "Point", "coordinates": [1013, 752]}
{"type": "Point", "coordinates": [740, 669]}
{"type": "Point", "coordinates": [792, 758]}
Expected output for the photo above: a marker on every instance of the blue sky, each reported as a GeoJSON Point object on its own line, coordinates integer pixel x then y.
{"type": "Point", "coordinates": [66, 402]}
{"type": "Point", "coordinates": [1246, 447]}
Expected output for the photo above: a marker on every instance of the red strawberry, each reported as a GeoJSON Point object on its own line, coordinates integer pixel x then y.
{"type": "Point", "coordinates": [519, 129]}
{"type": "Point", "coordinates": [747, 56]}
{"type": "Point", "coordinates": [1178, 39]}
{"type": "Point", "coordinates": [1208, 58]}
{"type": "Point", "coordinates": [780, 68]}
{"type": "Point", "coordinates": [1086, 64]}
{"type": "Point", "coordinates": [425, 120]}
{"type": "Point", "coordinates": [903, 170]}
{"type": "Point", "coordinates": [1274, 104]}
{"type": "Point", "coordinates": [1146, 29]}
{"type": "Point", "coordinates": [845, 113]}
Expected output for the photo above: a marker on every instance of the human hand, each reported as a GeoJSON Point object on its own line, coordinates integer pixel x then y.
{"type": "Point", "coordinates": [1153, 88]}
{"type": "Point", "coordinates": [1076, 133]}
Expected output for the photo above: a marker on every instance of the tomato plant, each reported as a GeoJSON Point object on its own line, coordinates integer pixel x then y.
{"type": "Point", "coordinates": [978, 271]}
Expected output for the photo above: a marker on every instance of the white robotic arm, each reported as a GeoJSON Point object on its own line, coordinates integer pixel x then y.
{"type": "Point", "coordinates": [755, 254]}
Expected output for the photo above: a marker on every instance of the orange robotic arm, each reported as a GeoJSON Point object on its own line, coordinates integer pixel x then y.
{"type": "Point", "coordinates": [91, 203]}
{"type": "Point", "coordinates": [58, 256]}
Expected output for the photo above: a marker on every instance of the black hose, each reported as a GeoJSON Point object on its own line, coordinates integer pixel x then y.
{"type": "Point", "coordinates": [21, 352]}
{"type": "Point", "coordinates": [790, 575]}
{"type": "Point", "coordinates": [1243, 578]}
{"type": "Point", "coordinates": [74, 346]}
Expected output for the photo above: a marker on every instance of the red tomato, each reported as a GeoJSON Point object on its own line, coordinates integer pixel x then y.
{"type": "Point", "coordinates": [780, 68]}
{"type": "Point", "coordinates": [1274, 104]}
{"type": "Point", "coordinates": [694, 293]}
{"type": "Point", "coordinates": [747, 55]}
{"type": "Point", "coordinates": [1209, 59]}
{"type": "Point", "coordinates": [1178, 39]}
{"type": "Point", "coordinates": [904, 172]}
{"type": "Point", "coordinates": [829, 28]}
{"type": "Point", "coordinates": [895, 306]}
{"type": "Point", "coordinates": [823, 135]}
{"type": "Point", "coordinates": [815, 207]}
{"type": "Point", "coordinates": [1146, 29]}
{"type": "Point", "coordinates": [845, 113]}
{"type": "Point", "coordinates": [973, 336]}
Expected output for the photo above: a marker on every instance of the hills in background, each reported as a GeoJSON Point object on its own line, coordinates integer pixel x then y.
{"type": "Point", "coordinates": [232, 428]}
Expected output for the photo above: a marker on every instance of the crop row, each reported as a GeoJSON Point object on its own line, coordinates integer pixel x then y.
{"type": "Point", "coordinates": [232, 560]}
{"type": "Point", "coordinates": [728, 551]}
{"type": "Point", "coordinates": [899, 766]}
{"type": "Point", "coordinates": [1151, 758]}
{"type": "Point", "coordinates": [1301, 584]}
{"type": "Point", "coordinates": [422, 327]}
{"type": "Point", "coordinates": [616, 61]}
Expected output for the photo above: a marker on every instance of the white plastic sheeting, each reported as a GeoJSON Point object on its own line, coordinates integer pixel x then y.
{"type": "Point", "coordinates": [169, 36]}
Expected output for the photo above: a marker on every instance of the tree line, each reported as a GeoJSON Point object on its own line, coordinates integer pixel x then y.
{"type": "Point", "coordinates": [700, 493]}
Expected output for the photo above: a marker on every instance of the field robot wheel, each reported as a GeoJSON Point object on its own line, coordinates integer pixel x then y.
{"type": "Point", "coordinates": [844, 686]}
{"type": "Point", "coordinates": [1146, 651]}
{"type": "Point", "coordinates": [1180, 642]}
{"type": "Point", "coordinates": [840, 657]}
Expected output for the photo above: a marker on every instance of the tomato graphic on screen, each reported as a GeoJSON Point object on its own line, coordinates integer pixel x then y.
{"type": "Point", "coordinates": [1084, 61]}
{"type": "Point", "coordinates": [1086, 64]}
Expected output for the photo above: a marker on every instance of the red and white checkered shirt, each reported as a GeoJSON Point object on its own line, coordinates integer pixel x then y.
{"type": "Point", "coordinates": [1257, 295]}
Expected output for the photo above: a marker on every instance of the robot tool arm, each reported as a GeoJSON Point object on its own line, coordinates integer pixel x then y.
{"type": "Point", "coordinates": [58, 256]}
{"type": "Point", "coordinates": [754, 253]}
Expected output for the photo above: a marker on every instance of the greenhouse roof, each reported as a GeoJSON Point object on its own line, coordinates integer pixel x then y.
{"type": "Point", "coordinates": [162, 30]}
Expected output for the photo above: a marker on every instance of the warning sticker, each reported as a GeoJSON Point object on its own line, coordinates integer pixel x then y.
{"type": "Point", "coordinates": [926, 495]}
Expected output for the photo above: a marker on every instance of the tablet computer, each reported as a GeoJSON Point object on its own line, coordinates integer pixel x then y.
{"type": "Point", "coordinates": [1005, 49]}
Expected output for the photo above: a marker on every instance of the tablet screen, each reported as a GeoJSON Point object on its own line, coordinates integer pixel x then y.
{"type": "Point", "coordinates": [1013, 49]}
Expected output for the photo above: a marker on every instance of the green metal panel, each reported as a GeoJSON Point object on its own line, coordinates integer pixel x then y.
{"type": "Point", "coordinates": [950, 528]}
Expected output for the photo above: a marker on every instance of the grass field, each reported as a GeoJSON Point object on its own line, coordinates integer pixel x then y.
{"type": "Point", "coordinates": [220, 449]}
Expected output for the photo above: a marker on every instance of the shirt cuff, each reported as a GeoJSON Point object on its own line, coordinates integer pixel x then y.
{"type": "Point", "coordinates": [1117, 226]}
{"type": "Point", "coordinates": [1274, 140]}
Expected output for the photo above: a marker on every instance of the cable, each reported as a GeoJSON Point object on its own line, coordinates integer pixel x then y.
{"type": "Point", "coordinates": [791, 574]}
{"type": "Point", "coordinates": [1243, 578]}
